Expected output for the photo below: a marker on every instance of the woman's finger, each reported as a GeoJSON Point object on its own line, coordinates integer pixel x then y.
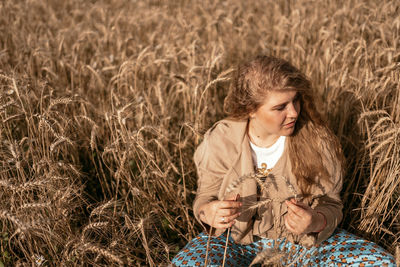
{"type": "Point", "coordinates": [293, 214]}
{"type": "Point", "coordinates": [229, 204]}
{"type": "Point", "coordinates": [298, 222]}
{"type": "Point", "coordinates": [292, 217]}
{"type": "Point", "coordinates": [224, 224]}
{"type": "Point", "coordinates": [228, 219]}
{"type": "Point", "coordinates": [288, 226]}
{"type": "Point", "coordinates": [292, 222]}
{"type": "Point", "coordinates": [292, 226]}
{"type": "Point", "coordinates": [227, 212]}
{"type": "Point", "coordinates": [299, 211]}
{"type": "Point", "coordinates": [234, 197]}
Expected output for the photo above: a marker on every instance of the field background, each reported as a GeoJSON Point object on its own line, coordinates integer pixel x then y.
{"type": "Point", "coordinates": [102, 104]}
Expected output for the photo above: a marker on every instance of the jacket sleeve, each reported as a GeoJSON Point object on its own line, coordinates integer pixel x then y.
{"type": "Point", "coordinates": [330, 203]}
{"type": "Point", "coordinates": [212, 165]}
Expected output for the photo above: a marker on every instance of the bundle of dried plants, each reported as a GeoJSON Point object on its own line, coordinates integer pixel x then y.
{"type": "Point", "coordinates": [105, 101]}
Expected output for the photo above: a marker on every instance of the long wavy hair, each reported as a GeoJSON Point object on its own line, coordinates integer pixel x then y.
{"type": "Point", "coordinates": [312, 141]}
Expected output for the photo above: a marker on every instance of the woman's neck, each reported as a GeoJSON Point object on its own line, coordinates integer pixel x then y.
{"type": "Point", "coordinates": [260, 138]}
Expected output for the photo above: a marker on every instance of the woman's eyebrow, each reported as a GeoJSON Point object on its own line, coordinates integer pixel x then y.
{"type": "Point", "coordinates": [282, 104]}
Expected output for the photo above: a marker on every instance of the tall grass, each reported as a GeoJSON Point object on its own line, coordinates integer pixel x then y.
{"type": "Point", "coordinates": [102, 104]}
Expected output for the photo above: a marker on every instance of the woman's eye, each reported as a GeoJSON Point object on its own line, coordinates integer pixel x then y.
{"type": "Point", "coordinates": [280, 108]}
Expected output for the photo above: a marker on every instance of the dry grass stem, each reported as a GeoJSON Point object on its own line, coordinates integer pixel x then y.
{"type": "Point", "coordinates": [102, 104]}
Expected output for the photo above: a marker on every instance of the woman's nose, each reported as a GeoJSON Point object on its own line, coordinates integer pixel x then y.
{"type": "Point", "coordinates": [293, 110]}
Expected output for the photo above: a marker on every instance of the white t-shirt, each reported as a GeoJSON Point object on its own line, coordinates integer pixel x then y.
{"type": "Point", "coordinates": [269, 155]}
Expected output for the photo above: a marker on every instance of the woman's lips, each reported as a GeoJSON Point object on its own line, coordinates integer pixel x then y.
{"type": "Point", "coordinates": [290, 124]}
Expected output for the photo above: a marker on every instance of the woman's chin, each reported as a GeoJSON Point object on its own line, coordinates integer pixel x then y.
{"type": "Point", "coordinates": [288, 131]}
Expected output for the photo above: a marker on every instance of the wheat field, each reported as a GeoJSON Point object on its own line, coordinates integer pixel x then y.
{"type": "Point", "coordinates": [102, 104]}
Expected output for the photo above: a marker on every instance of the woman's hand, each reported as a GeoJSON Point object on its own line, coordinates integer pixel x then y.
{"type": "Point", "coordinates": [302, 219]}
{"type": "Point", "coordinates": [221, 214]}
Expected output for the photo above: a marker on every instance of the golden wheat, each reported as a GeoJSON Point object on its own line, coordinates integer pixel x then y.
{"type": "Point", "coordinates": [103, 103]}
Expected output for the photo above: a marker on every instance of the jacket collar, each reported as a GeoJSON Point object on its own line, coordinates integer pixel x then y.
{"type": "Point", "coordinates": [239, 138]}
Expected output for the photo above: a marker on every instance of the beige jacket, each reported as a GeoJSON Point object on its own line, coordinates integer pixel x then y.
{"type": "Point", "coordinates": [225, 155]}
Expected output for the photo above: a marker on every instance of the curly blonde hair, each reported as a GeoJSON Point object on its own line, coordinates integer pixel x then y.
{"type": "Point", "coordinates": [311, 140]}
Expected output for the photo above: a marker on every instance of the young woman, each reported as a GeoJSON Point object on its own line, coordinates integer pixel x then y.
{"type": "Point", "coordinates": [271, 173]}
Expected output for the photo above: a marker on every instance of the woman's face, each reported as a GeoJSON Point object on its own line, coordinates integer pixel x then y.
{"type": "Point", "coordinates": [277, 116]}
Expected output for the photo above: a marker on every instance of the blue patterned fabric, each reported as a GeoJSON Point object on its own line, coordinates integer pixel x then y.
{"type": "Point", "coordinates": [341, 249]}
